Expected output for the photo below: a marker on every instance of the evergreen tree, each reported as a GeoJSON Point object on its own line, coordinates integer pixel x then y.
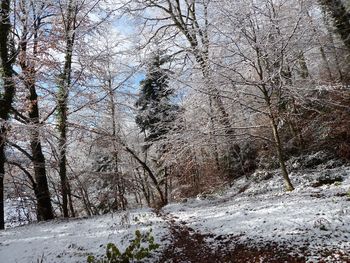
{"type": "Point", "coordinates": [341, 16]}
{"type": "Point", "coordinates": [156, 112]}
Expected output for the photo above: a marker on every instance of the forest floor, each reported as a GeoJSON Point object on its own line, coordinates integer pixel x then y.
{"type": "Point", "coordinates": [255, 220]}
{"type": "Point", "coordinates": [189, 245]}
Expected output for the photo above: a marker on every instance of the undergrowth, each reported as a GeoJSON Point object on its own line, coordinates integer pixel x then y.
{"type": "Point", "coordinates": [139, 248]}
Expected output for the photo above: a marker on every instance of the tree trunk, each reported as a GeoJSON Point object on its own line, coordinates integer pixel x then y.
{"type": "Point", "coordinates": [44, 207]}
{"type": "Point", "coordinates": [63, 158]}
{"type": "Point", "coordinates": [86, 201]}
{"type": "Point", "coordinates": [2, 174]}
{"type": "Point", "coordinates": [70, 201]}
{"type": "Point", "coordinates": [65, 83]}
{"type": "Point", "coordinates": [289, 186]}
{"type": "Point", "coordinates": [42, 193]}
{"type": "Point", "coordinates": [150, 173]}
{"type": "Point", "coordinates": [144, 187]}
{"type": "Point", "coordinates": [212, 134]}
{"type": "Point", "coordinates": [7, 97]}
{"type": "Point", "coordinates": [166, 184]}
{"type": "Point", "coordinates": [279, 148]}
{"type": "Point", "coordinates": [45, 211]}
{"type": "Point", "coordinates": [326, 64]}
{"type": "Point", "coordinates": [304, 70]}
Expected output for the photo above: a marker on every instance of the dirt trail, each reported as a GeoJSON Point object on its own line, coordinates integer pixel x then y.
{"type": "Point", "coordinates": [189, 246]}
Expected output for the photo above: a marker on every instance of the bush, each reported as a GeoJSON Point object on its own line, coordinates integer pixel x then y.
{"type": "Point", "coordinates": [133, 253]}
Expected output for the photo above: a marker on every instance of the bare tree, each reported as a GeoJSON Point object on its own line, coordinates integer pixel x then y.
{"type": "Point", "coordinates": [262, 46]}
{"type": "Point", "coordinates": [75, 16]}
{"type": "Point", "coordinates": [70, 26]}
{"type": "Point", "coordinates": [31, 19]}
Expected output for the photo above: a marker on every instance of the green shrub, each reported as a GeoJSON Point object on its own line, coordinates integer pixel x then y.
{"type": "Point", "coordinates": [348, 193]}
{"type": "Point", "coordinates": [133, 253]}
{"type": "Point", "coordinates": [337, 183]}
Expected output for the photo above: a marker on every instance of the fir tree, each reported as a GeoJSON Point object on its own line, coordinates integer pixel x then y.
{"type": "Point", "coordinates": [338, 11]}
{"type": "Point", "coordinates": [156, 112]}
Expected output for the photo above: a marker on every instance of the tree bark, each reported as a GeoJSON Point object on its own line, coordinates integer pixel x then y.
{"type": "Point", "coordinates": [150, 173]}
{"type": "Point", "coordinates": [288, 183]}
{"type": "Point", "coordinates": [41, 188]}
{"type": "Point", "coordinates": [7, 97]}
{"type": "Point", "coordinates": [2, 174]}
{"type": "Point", "coordinates": [70, 201]}
{"type": "Point", "coordinates": [65, 83]}
{"type": "Point", "coordinates": [279, 147]}
{"type": "Point", "coordinates": [45, 211]}
{"type": "Point", "coordinates": [144, 186]}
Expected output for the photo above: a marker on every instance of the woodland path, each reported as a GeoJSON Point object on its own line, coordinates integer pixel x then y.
{"type": "Point", "coordinates": [190, 246]}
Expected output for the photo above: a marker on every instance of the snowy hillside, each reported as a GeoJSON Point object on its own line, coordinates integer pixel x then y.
{"type": "Point", "coordinates": [312, 221]}
{"type": "Point", "coordinates": [73, 240]}
{"type": "Point", "coordinates": [253, 221]}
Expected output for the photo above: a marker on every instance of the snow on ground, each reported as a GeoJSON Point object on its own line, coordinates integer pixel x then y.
{"type": "Point", "coordinates": [20, 211]}
{"type": "Point", "coordinates": [73, 240]}
{"type": "Point", "coordinates": [316, 217]}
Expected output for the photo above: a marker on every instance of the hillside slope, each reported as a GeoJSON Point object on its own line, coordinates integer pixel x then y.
{"type": "Point", "coordinates": [253, 221]}
{"type": "Point", "coordinates": [311, 223]}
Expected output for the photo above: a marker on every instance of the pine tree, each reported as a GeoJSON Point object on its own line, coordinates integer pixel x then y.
{"type": "Point", "coordinates": [156, 112]}
{"type": "Point", "coordinates": [341, 16]}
